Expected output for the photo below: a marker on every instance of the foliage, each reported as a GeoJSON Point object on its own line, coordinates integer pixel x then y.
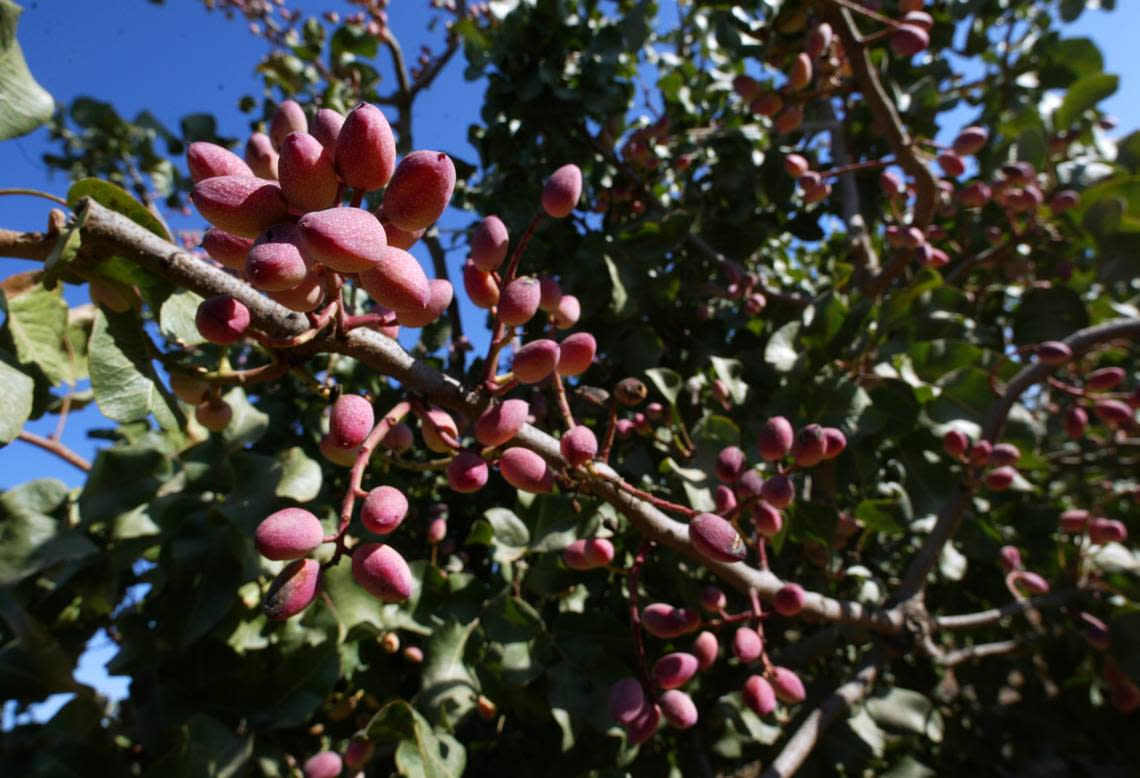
{"type": "Point", "coordinates": [706, 273]}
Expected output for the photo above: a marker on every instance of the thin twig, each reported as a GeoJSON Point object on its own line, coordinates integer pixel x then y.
{"type": "Point", "coordinates": [35, 193]}
{"type": "Point", "coordinates": [994, 615]}
{"type": "Point", "coordinates": [950, 516]}
{"type": "Point", "coordinates": [57, 448]}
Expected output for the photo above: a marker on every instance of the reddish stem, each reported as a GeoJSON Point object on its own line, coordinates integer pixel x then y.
{"type": "Point", "coordinates": [867, 165]}
{"type": "Point", "coordinates": [367, 320]}
{"type": "Point", "coordinates": [563, 402]}
{"type": "Point", "coordinates": [498, 338]}
{"type": "Point", "coordinates": [635, 617]}
{"type": "Point", "coordinates": [391, 418]}
{"type": "Point", "coordinates": [611, 430]}
{"type": "Point", "coordinates": [657, 501]}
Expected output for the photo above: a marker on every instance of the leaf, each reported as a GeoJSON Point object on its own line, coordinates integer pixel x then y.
{"type": "Point", "coordinates": [176, 318]}
{"type": "Point", "coordinates": [1048, 314]}
{"type": "Point", "coordinates": [296, 687]}
{"type": "Point", "coordinates": [37, 321]}
{"type": "Point", "coordinates": [15, 399]}
{"type": "Point", "coordinates": [118, 200]}
{"type": "Point", "coordinates": [248, 423]}
{"type": "Point", "coordinates": [24, 104]}
{"type": "Point", "coordinates": [512, 627]}
{"type": "Point", "coordinates": [781, 352]}
{"type": "Point", "coordinates": [31, 537]}
{"type": "Point", "coordinates": [881, 515]}
{"type": "Point", "coordinates": [668, 382]}
{"type": "Point", "coordinates": [421, 752]}
{"type": "Point", "coordinates": [618, 296]}
{"type": "Point", "coordinates": [300, 476]}
{"type": "Point", "coordinates": [1084, 94]}
{"type": "Point", "coordinates": [206, 747]}
{"type": "Point", "coordinates": [729, 371]}
{"type": "Point", "coordinates": [909, 711]}
{"type": "Point", "coordinates": [509, 528]}
{"type": "Point", "coordinates": [449, 688]}
{"type": "Point", "coordinates": [556, 524]}
{"type": "Point", "coordinates": [125, 384]}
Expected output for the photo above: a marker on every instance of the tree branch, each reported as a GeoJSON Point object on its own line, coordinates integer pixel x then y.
{"type": "Point", "coordinates": [25, 245]}
{"type": "Point", "coordinates": [994, 615]}
{"type": "Point", "coordinates": [978, 651]}
{"type": "Point", "coordinates": [883, 114]}
{"type": "Point", "coordinates": [863, 253]}
{"type": "Point", "coordinates": [114, 233]}
{"type": "Point", "coordinates": [57, 448]}
{"type": "Point", "coordinates": [800, 744]}
{"type": "Point", "coordinates": [950, 517]}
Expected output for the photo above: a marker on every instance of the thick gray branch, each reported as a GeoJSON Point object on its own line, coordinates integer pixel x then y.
{"type": "Point", "coordinates": [799, 746]}
{"type": "Point", "coordinates": [111, 232]}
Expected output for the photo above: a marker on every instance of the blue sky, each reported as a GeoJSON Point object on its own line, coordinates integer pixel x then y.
{"type": "Point", "coordinates": [178, 59]}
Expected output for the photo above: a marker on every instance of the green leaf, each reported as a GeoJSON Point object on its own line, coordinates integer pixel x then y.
{"type": "Point", "coordinates": [618, 296]}
{"type": "Point", "coordinates": [248, 423]}
{"type": "Point", "coordinates": [300, 476]}
{"type": "Point", "coordinates": [908, 711]}
{"type": "Point", "coordinates": [882, 515]}
{"type": "Point", "coordinates": [449, 687]}
{"type": "Point", "coordinates": [125, 384]}
{"type": "Point", "coordinates": [512, 627]}
{"type": "Point", "coordinates": [176, 318]}
{"type": "Point", "coordinates": [15, 399]}
{"type": "Point", "coordinates": [556, 523]}
{"type": "Point", "coordinates": [296, 687]}
{"type": "Point", "coordinates": [1048, 314]}
{"type": "Point", "coordinates": [509, 528]}
{"type": "Point", "coordinates": [1084, 94]}
{"type": "Point", "coordinates": [730, 371]}
{"type": "Point", "coordinates": [24, 104]}
{"type": "Point", "coordinates": [668, 382]}
{"type": "Point", "coordinates": [37, 321]}
{"type": "Point", "coordinates": [421, 752]}
{"type": "Point", "coordinates": [206, 747]}
{"type": "Point", "coordinates": [117, 199]}
{"type": "Point", "coordinates": [781, 352]}
{"type": "Point", "coordinates": [31, 537]}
